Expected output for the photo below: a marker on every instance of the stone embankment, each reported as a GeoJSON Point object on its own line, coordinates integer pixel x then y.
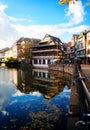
{"type": "Point", "coordinates": [74, 110]}
{"type": "Point", "coordinates": [68, 68]}
{"type": "Point", "coordinates": [79, 114]}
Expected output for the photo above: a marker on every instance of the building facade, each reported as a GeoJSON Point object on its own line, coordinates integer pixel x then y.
{"type": "Point", "coordinates": [88, 46]}
{"type": "Point", "coordinates": [2, 53]}
{"type": "Point", "coordinates": [20, 50]}
{"type": "Point", "coordinates": [83, 46]}
{"type": "Point", "coordinates": [47, 51]}
{"type": "Point", "coordinates": [80, 48]}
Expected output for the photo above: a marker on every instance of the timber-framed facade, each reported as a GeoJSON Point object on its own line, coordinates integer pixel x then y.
{"type": "Point", "coordinates": [47, 51]}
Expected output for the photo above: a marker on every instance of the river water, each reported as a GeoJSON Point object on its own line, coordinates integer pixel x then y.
{"type": "Point", "coordinates": [33, 100]}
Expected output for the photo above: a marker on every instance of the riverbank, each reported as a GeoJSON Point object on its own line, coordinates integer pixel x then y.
{"type": "Point", "coordinates": [76, 120]}
{"type": "Point", "coordinates": [68, 68]}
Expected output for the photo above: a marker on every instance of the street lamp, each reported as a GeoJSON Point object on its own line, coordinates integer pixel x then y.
{"type": "Point", "coordinates": [85, 47]}
{"type": "Point", "coordinates": [63, 62]}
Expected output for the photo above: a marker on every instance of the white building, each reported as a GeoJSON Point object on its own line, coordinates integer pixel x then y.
{"type": "Point", "coordinates": [2, 53]}
{"type": "Point", "coordinates": [47, 51]}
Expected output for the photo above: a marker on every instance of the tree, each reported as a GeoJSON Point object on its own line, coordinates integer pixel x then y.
{"type": "Point", "coordinates": [24, 50]}
{"type": "Point", "coordinates": [11, 59]}
{"type": "Point", "coordinates": [72, 1]}
{"type": "Point", "coordinates": [67, 1]}
{"type": "Point", "coordinates": [88, 3]}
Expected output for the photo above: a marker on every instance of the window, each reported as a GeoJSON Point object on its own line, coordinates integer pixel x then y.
{"type": "Point", "coordinates": [44, 61]}
{"type": "Point", "coordinates": [35, 74]}
{"type": "Point", "coordinates": [39, 61]}
{"type": "Point", "coordinates": [39, 74]}
{"type": "Point", "coordinates": [43, 74]}
{"type": "Point", "coordinates": [35, 61]}
{"type": "Point", "coordinates": [88, 51]}
{"type": "Point", "coordinates": [88, 42]}
{"type": "Point", "coordinates": [48, 61]}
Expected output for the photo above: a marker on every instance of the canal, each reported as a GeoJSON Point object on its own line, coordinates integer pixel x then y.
{"type": "Point", "coordinates": [33, 99]}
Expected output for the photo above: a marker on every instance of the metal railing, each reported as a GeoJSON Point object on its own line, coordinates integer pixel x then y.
{"type": "Point", "coordinates": [84, 94]}
{"type": "Point", "coordinates": [81, 82]}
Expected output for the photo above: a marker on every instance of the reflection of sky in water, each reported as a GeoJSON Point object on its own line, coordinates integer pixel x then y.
{"type": "Point", "coordinates": [20, 111]}
{"type": "Point", "coordinates": [30, 110]}
{"type": "Point", "coordinates": [6, 91]}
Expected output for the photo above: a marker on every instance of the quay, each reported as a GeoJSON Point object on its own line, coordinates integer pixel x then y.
{"type": "Point", "coordinates": [79, 112]}
{"type": "Point", "coordinates": [67, 68]}
{"type": "Point", "coordinates": [85, 69]}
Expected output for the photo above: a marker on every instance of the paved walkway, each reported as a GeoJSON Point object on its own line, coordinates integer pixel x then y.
{"type": "Point", "coordinates": [85, 69]}
{"type": "Point", "coordinates": [74, 101]}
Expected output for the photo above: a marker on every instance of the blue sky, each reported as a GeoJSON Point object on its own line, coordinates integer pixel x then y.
{"type": "Point", "coordinates": [35, 18]}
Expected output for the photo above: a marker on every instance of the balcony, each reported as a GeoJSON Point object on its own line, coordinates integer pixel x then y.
{"type": "Point", "coordinates": [48, 50]}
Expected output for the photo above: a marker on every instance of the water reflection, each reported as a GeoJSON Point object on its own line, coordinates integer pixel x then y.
{"type": "Point", "coordinates": [24, 103]}
{"type": "Point", "coordinates": [47, 83]}
{"type": "Point", "coordinates": [39, 80]}
{"type": "Point", "coordinates": [6, 91]}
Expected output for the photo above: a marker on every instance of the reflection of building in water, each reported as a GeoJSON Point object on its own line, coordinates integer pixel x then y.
{"type": "Point", "coordinates": [15, 76]}
{"type": "Point", "coordinates": [49, 84]}
{"type": "Point", "coordinates": [8, 75]}
{"type": "Point", "coordinates": [25, 81]}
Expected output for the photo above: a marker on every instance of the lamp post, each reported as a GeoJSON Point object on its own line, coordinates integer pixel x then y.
{"type": "Point", "coordinates": [57, 49]}
{"type": "Point", "coordinates": [85, 47]}
{"type": "Point", "coordinates": [63, 63]}
{"type": "Point", "coordinates": [85, 51]}
{"type": "Point", "coordinates": [75, 59]}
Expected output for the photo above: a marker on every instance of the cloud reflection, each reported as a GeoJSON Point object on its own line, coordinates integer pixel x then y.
{"type": "Point", "coordinates": [6, 91]}
{"type": "Point", "coordinates": [35, 94]}
{"type": "Point", "coordinates": [18, 93]}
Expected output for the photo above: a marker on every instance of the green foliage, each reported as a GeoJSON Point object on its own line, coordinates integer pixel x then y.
{"type": "Point", "coordinates": [88, 3]}
{"type": "Point", "coordinates": [12, 62]}
{"type": "Point", "coordinates": [72, 1]}
{"type": "Point", "coordinates": [11, 59]}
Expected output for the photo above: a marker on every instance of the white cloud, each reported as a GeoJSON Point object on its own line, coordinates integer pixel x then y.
{"type": "Point", "coordinates": [78, 29]}
{"type": "Point", "coordinates": [2, 7]}
{"type": "Point", "coordinates": [75, 12]}
{"type": "Point", "coordinates": [38, 31]}
{"type": "Point", "coordinates": [11, 28]}
{"type": "Point", "coordinates": [7, 32]}
{"type": "Point", "coordinates": [18, 93]}
{"type": "Point", "coordinates": [13, 19]}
